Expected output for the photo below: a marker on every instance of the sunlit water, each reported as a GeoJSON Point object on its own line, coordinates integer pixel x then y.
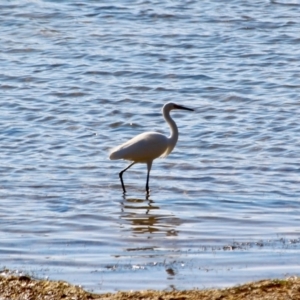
{"type": "Point", "coordinates": [78, 78]}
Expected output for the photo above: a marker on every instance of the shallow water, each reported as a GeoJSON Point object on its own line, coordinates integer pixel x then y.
{"type": "Point", "coordinates": [79, 78]}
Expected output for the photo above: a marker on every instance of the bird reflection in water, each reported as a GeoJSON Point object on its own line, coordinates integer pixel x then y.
{"type": "Point", "coordinates": [145, 217]}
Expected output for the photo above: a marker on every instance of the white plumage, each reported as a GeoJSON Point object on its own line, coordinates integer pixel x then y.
{"type": "Point", "coordinates": [153, 143]}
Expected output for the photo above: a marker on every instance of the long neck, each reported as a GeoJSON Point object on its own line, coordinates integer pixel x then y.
{"type": "Point", "coordinates": [173, 129]}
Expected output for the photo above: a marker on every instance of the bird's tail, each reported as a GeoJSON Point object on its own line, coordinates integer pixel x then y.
{"type": "Point", "coordinates": [114, 154]}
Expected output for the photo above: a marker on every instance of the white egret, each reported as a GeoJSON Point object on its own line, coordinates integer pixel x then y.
{"type": "Point", "coordinates": [146, 147]}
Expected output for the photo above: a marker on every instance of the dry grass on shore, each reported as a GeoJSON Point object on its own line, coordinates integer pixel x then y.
{"type": "Point", "coordinates": [26, 288]}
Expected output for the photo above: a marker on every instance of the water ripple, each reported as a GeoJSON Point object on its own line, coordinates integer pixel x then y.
{"type": "Point", "coordinates": [80, 78]}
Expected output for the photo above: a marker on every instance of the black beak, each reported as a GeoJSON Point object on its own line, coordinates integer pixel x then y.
{"type": "Point", "coordinates": [182, 107]}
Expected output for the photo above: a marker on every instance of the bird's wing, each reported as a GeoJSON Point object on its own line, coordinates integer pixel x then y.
{"type": "Point", "coordinates": [142, 148]}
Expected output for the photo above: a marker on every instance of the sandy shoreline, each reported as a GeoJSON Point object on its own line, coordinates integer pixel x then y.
{"type": "Point", "coordinates": [24, 287]}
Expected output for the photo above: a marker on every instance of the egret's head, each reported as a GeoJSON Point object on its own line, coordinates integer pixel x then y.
{"type": "Point", "coordinates": [169, 106]}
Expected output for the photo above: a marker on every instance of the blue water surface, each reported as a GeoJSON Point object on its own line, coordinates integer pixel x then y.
{"type": "Point", "coordinates": [80, 77]}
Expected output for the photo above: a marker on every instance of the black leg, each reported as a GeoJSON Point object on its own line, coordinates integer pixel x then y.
{"type": "Point", "coordinates": [149, 164]}
{"type": "Point", "coordinates": [121, 178]}
{"type": "Point", "coordinates": [147, 183]}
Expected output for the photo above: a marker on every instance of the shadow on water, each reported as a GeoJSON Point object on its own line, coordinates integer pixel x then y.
{"type": "Point", "coordinates": [145, 217]}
